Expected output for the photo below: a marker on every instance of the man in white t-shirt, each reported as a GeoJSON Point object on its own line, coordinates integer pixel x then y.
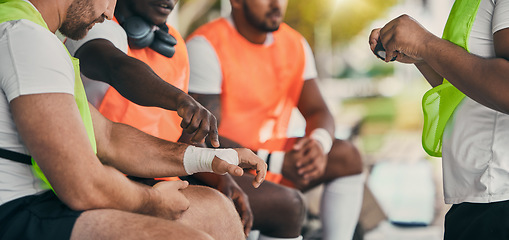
{"type": "Point", "coordinates": [474, 59]}
{"type": "Point", "coordinates": [144, 75]}
{"type": "Point", "coordinates": [82, 156]}
{"type": "Point", "coordinates": [251, 70]}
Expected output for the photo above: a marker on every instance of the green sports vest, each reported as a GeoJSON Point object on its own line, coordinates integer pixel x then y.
{"type": "Point", "coordinates": [439, 103]}
{"type": "Point", "coordinates": [18, 9]}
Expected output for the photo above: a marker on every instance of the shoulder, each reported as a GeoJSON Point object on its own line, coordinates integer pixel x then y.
{"type": "Point", "coordinates": [35, 60]}
{"type": "Point", "coordinates": [289, 31]}
{"type": "Point", "coordinates": [211, 29]}
{"type": "Point", "coordinates": [26, 31]}
{"type": "Point", "coordinates": [26, 41]}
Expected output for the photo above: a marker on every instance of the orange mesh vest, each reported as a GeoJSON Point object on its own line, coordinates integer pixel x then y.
{"type": "Point", "coordinates": [156, 121]}
{"type": "Point", "coordinates": [261, 84]}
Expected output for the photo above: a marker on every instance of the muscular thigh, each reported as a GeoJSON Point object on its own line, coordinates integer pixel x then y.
{"type": "Point", "coordinates": [116, 224]}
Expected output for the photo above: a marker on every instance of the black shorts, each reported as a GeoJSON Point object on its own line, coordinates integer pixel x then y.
{"type": "Point", "coordinates": [38, 217]}
{"type": "Point", "coordinates": [477, 221]}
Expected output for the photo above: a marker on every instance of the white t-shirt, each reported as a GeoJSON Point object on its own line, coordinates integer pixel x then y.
{"type": "Point", "coordinates": [111, 31]}
{"type": "Point", "coordinates": [476, 139]}
{"type": "Point", "coordinates": [206, 76]}
{"type": "Point", "coordinates": [32, 61]}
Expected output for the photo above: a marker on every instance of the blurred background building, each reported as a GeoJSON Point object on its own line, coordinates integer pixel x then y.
{"type": "Point", "coordinates": [376, 104]}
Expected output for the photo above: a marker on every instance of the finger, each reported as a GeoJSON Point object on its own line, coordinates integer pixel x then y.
{"type": "Point", "coordinates": [260, 167]}
{"type": "Point", "coordinates": [213, 133]}
{"type": "Point", "coordinates": [305, 169]}
{"type": "Point", "coordinates": [309, 176]}
{"type": "Point", "coordinates": [194, 124]}
{"type": "Point", "coordinates": [387, 39]}
{"type": "Point", "coordinates": [392, 52]}
{"type": "Point", "coordinates": [306, 160]}
{"type": "Point", "coordinates": [219, 166]}
{"type": "Point", "coordinates": [201, 132]}
{"type": "Point", "coordinates": [186, 113]}
{"type": "Point", "coordinates": [261, 172]}
{"type": "Point", "coordinates": [308, 152]}
{"type": "Point", "coordinates": [300, 143]}
{"type": "Point", "coordinates": [183, 184]}
{"type": "Point", "coordinates": [248, 223]}
{"type": "Point", "coordinates": [235, 170]}
{"type": "Point", "coordinates": [245, 213]}
{"type": "Point", "coordinates": [373, 38]}
{"type": "Point", "coordinates": [179, 184]}
{"type": "Point", "coordinates": [303, 161]}
{"type": "Point", "coordinates": [249, 160]}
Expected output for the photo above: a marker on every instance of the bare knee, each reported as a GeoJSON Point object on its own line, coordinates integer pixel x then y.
{"type": "Point", "coordinates": [213, 213]}
{"type": "Point", "coordinates": [284, 213]}
{"type": "Point", "coordinates": [115, 224]}
{"type": "Point", "coordinates": [344, 159]}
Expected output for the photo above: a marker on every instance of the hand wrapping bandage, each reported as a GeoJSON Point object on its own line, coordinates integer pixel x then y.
{"type": "Point", "coordinates": [200, 159]}
{"type": "Point", "coordinates": [323, 137]}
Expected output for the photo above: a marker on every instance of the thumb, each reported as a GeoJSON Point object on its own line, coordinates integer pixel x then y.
{"type": "Point", "coordinates": [235, 170]}
{"type": "Point", "coordinates": [183, 185]}
{"type": "Point", "coordinates": [222, 167]}
{"type": "Point", "coordinates": [299, 143]}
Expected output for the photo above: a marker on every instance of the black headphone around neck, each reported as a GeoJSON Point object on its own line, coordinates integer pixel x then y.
{"type": "Point", "coordinates": [141, 35]}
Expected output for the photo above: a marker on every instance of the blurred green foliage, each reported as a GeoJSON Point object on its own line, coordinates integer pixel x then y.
{"type": "Point", "coordinates": [376, 71]}
{"type": "Point", "coordinates": [347, 18]}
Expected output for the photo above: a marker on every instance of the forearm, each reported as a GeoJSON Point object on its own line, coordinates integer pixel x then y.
{"type": "Point", "coordinates": [483, 80]}
{"type": "Point", "coordinates": [137, 82]}
{"type": "Point", "coordinates": [314, 109]}
{"type": "Point", "coordinates": [107, 188]}
{"type": "Point", "coordinates": [101, 60]}
{"type": "Point", "coordinates": [320, 119]}
{"type": "Point", "coordinates": [433, 78]}
{"type": "Point", "coordinates": [141, 154]}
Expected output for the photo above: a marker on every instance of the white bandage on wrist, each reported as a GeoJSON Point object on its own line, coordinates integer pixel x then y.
{"type": "Point", "coordinates": [200, 159]}
{"type": "Point", "coordinates": [323, 137]}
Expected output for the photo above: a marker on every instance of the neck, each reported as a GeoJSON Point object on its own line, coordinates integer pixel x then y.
{"type": "Point", "coordinates": [248, 31]}
{"type": "Point", "coordinates": [122, 10]}
{"type": "Point", "coordinates": [52, 11]}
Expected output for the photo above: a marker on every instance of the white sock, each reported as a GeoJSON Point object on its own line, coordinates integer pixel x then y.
{"type": "Point", "coordinates": [340, 207]}
{"type": "Point", "coordinates": [253, 235]}
{"type": "Point", "coordinates": [263, 237]}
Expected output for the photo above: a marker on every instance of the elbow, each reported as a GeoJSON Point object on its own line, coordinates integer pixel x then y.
{"type": "Point", "coordinates": [81, 194]}
{"type": "Point", "coordinates": [84, 204]}
{"type": "Point", "coordinates": [86, 200]}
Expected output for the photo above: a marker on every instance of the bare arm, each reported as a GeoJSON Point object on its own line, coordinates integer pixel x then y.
{"type": "Point", "coordinates": [484, 80]}
{"type": "Point", "coordinates": [58, 141]}
{"type": "Point", "coordinates": [433, 78]}
{"type": "Point", "coordinates": [139, 154]}
{"type": "Point", "coordinates": [119, 145]}
{"type": "Point", "coordinates": [136, 81]}
{"type": "Point", "coordinates": [313, 108]}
